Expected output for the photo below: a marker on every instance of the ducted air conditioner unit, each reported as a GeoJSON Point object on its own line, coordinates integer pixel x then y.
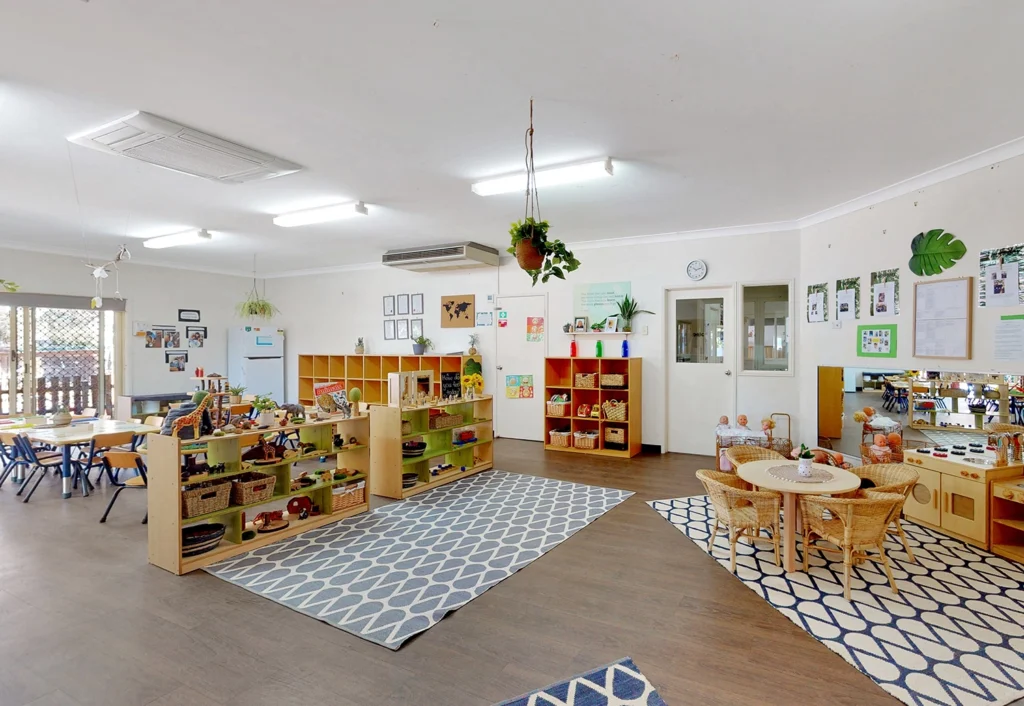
{"type": "Point", "coordinates": [457, 256]}
{"type": "Point", "coordinates": [167, 144]}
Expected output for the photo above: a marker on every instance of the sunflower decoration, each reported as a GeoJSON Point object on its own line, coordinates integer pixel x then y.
{"type": "Point", "coordinates": [474, 381]}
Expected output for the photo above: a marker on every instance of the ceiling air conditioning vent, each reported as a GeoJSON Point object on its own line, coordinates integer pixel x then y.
{"type": "Point", "coordinates": [455, 256]}
{"type": "Point", "coordinates": [153, 139]}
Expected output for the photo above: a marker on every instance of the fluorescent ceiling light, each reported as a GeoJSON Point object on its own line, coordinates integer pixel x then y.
{"type": "Point", "coordinates": [553, 176]}
{"type": "Point", "coordinates": [337, 212]}
{"type": "Point", "coordinates": [188, 237]}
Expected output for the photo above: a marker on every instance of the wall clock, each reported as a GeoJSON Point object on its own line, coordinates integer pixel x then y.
{"type": "Point", "coordinates": [697, 270]}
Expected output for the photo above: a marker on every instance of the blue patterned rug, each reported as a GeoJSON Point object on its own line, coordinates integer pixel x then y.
{"type": "Point", "coordinates": [618, 684]}
{"type": "Point", "coordinates": [954, 635]}
{"type": "Point", "coordinates": [389, 574]}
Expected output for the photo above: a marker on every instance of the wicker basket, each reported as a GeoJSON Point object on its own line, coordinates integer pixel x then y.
{"type": "Point", "coordinates": [558, 409]}
{"type": "Point", "coordinates": [868, 458]}
{"type": "Point", "coordinates": [613, 380]}
{"type": "Point", "coordinates": [348, 496]}
{"type": "Point", "coordinates": [250, 488]}
{"type": "Point", "coordinates": [561, 438]}
{"type": "Point", "coordinates": [583, 440]}
{"type": "Point", "coordinates": [445, 420]}
{"type": "Point", "coordinates": [615, 435]}
{"type": "Point", "coordinates": [586, 380]}
{"type": "Point", "coordinates": [614, 411]}
{"type": "Point", "coordinates": [204, 498]}
{"type": "Point", "coordinates": [406, 427]}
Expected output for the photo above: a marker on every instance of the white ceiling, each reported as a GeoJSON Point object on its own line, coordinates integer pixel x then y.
{"type": "Point", "coordinates": [716, 113]}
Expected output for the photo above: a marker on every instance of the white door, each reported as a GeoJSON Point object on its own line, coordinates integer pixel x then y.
{"type": "Point", "coordinates": [520, 354]}
{"type": "Point", "coordinates": [700, 358]}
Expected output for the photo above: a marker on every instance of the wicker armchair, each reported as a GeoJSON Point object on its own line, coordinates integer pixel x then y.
{"type": "Point", "coordinates": [738, 455]}
{"type": "Point", "coordinates": [1000, 428]}
{"type": "Point", "coordinates": [854, 525]}
{"type": "Point", "coordinates": [741, 510]}
{"type": "Point", "coordinates": [888, 478]}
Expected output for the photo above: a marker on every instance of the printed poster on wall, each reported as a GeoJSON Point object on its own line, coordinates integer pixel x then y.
{"type": "Point", "coordinates": [817, 303]}
{"type": "Point", "coordinates": [848, 299]}
{"type": "Point", "coordinates": [519, 387]}
{"type": "Point", "coordinates": [885, 293]}
{"type": "Point", "coordinates": [1002, 277]}
{"type": "Point", "coordinates": [598, 301]}
{"type": "Point", "coordinates": [485, 318]}
{"type": "Point", "coordinates": [876, 341]}
{"type": "Point", "coordinates": [502, 319]}
{"type": "Point", "coordinates": [534, 329]}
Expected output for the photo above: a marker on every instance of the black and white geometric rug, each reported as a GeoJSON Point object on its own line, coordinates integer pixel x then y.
{"type": "Point", "coordinates": [389, 574]}
{"type": "Point", "coordinates": [953, 635]}
{"type": "Point", "coordinates": [618, 684]}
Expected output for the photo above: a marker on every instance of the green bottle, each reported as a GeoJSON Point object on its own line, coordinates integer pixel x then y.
{"type": "Point", "coordinates": [600, 349]}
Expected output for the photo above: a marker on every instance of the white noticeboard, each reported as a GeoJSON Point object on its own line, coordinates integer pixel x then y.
{"type": "Point", "coordinates": [942, 318]}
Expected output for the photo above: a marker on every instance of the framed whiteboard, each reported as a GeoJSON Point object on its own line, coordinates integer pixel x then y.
{"type": "Point", "coordinates": [942, 318]}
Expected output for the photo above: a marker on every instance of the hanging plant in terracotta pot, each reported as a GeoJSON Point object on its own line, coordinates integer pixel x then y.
{"type": "Point", "coordinates": [541, 258]}
{"type": "Point", "coordinates": [256, 305]}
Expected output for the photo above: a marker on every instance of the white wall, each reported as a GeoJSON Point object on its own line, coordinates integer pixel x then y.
{"type": "Point", "coordinates": [153, 295]}
{"type": "Point", "coordinates": [326, 313]}
{"type": "Point", "coordinates": [983, 208]}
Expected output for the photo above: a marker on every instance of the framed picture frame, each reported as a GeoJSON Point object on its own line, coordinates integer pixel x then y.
{"type": "Point", "coordinates": [402, 328]}
{"type": "Point", "coordinates": [403, 305]}
{"type": "Point", "coordinates": [389, 305]}
{"type": "Point", "coordinates": [611, 324]}
{"type": "Point", "coordinates": [579, 324]}
{"type": "Point", "coordinates": [417, 305]}
{"type": "Point", "coordinates": [190, 315]}
{"type": "Point", "coordinates": [415, 328]}
{"type": "Point", "coordinates": [389, 330]}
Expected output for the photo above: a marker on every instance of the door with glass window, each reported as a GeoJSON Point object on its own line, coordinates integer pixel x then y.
{"type": "Point", "coordinates": [701, 384]}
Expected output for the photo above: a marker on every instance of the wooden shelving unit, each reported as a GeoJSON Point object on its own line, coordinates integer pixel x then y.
{"type": "Point", "coordinates": [164, 455]}
{"type": "Point", "coordinates": [1007, 529]}
{"type": "Point", "coordinates": [560, 378]}
{"type": "Point", "coordinates": [370, 372]}
{"type": "Point", "coordinates": [386, 438]}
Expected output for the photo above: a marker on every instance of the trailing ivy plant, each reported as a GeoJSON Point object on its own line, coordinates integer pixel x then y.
{"type": "Point", "coordinates": [935, 251]}
{"type": "Point", "coordinates": [8, 285]}
{"type": "Point", "coordinates": [558, 260]}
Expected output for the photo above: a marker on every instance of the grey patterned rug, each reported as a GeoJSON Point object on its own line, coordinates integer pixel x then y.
{"type": "Point", "coordinates": [395, 572]}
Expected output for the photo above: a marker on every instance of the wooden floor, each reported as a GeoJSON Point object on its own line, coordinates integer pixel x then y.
{"type": "Point", "coordinates": [84, 619]}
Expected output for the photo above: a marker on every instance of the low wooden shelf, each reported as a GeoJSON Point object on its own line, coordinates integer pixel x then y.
{"type": "Point", "coordinates": [560, 379]}
{"type": "Point", "coordinates": [1007, 530]}
{"type": "Point", "coordinates": [163, 458]}
{"type": "Point", "coordinates": [386, 438]}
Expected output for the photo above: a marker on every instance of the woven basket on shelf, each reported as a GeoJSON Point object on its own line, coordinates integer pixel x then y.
{"type": "Point", "coordinates": [614, 411]}
{"type": "Point", "coordinates": [613, 380]}
{"type": "Point", "coordinates": [406, 427]}
{"type": "Point", "coordinates": [348, 496]}
{"type": "Point", "coordinates": [560, 438]}
{"type": "Point", "coordinates": [584, 440]}
{"type": "Point", "coordinates": [445, 420]}
{"type": "Point", "coordinates": [615, 435]}
{"type": "Point", "coordinates": [252, 487]}
{"type": "Point", "coordinates": [558, 409]}
{"type": "Point", "coordinates": [204, 498]}
{"type": "Point", "coordinates": [586, 380]}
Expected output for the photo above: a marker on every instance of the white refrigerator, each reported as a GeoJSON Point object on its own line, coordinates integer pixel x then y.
{"type": "Point", "coordinates": [256, 360]}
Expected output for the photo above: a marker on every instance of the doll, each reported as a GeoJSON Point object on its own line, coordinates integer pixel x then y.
{"type": "Point", "coordinates": [741, 422]}
{"type": "Point", "coordinates": [879, 451]}
{"type": "Point", "coordinates": [723, 425]}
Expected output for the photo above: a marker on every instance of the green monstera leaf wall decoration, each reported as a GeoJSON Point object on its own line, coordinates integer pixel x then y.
{"type": "Point", "coordinates": [935, 251]}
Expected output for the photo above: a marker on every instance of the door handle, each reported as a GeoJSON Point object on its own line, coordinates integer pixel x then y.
{"type": "Point", "coordinates": [728, 372]}
{"type": "Point", "coordinates": [935, 499]}
{"type": "Point", "coordinates": [945, 501]}
{"type": "Point", "coordinates": [499, 367]}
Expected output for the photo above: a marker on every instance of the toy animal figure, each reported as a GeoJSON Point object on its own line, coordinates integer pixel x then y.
{"type": "Point", "coordinates": [193, 419]}
{"type": "Point", "coordinates": [293, 410]}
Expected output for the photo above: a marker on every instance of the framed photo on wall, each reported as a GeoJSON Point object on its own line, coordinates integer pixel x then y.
{"type": "Point", "coordinates": [403, 329]}
{"type": "Point", "coordinates": [416, 328]}
{"type": "Point", "coordinates": [403, 305]}
{"type": "Point", "coordinates": [389, 330]}
{"type": "Point", "coordinates": [417, 305]}
{"type": "Point", "coordinates": [191, 315]}
{"type": "Point", "coordinates": [389, 305]}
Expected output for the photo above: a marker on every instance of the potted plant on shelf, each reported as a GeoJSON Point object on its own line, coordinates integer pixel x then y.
{"type": "Point", "coordinates": [359, 346]}
{"type": "Point", "coordinates": [474, 339]}
{"type": "Point", "coordinates": [599, 326]}
{"type": "Point", "coordinates": [235, 393]}
{"type": "Point", "coordinates": [804, 460]}
{"type": "Point", "coordinates": [628, 308]}
{"type": "Point", "coordinates": [541, 258]}
{"type": "Point", "coordinates": [265, 407]}
{"type": "Point", "coordinates": [420, 344]}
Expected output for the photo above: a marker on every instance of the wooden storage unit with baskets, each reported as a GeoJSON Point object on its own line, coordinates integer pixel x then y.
{"type": "Point", "coordinates": [435, 427]}
{"type": "Point", "coordinates": [603, 414]}
{"type": "Point", "coordinates": [246, 488]}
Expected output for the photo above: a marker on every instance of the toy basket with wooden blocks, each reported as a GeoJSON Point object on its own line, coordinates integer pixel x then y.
{"type": "Point", "coordinates": [585, 439]}
{"type": "Point", "coordinates": [614, 411]}
{"type": "Point", "coordinates": [560, 438]}
{"type": "Point", "coordinates": [586, 380]}
{"type": "Point", "coordinates": [348, 496]}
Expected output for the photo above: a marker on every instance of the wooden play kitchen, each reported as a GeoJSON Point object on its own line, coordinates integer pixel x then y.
{"type": "Point", "coordinates": [593, 405]}
{"type": "Point", "coordinates": [197, 521]}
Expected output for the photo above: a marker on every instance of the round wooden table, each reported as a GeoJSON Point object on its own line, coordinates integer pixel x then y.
{"type": "Point", "coordinates": [756, 473]}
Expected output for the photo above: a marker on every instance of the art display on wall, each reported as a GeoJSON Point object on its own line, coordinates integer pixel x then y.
{"type": "Point", "coordinates": [163, 337]}
{"type": "Point", "coordinates": [416, 304]}
{"type": "Point", "coordinates": [415, 328]}
{"type": "Point", "coordinates": [176, 360]}
{"type": "Point", "coordinates": [402, 329]}
{"type": "Point", "coordinates": [934, 251]}
{"type": "Point", "coordinates": [597, 301]}
{"type": "Point", "coordinates": [196, 335]}
{"type": "Point", "coordinates": [389, 330]}
{"type": "Point", "coordinates": [876, 341]}
{"type": "Point", "coordinates": [1002, 278]}
{"type": "Point", "coordinates": [534, 329]}
{"type": "Point", "coordinates": [389, 305]}
{"type": "Point", "coordinates": [458, 311]}
{"type": "Point", "coordinates": [848, 299]}
{"type": "Point", "coordinates": [402, 304]}
{"type": "Point", "coordinates": [519, 387]}
{"type": "Point", "coordinates": [885, 293]}
{"type": "Point", "coordinates": [817, 303]}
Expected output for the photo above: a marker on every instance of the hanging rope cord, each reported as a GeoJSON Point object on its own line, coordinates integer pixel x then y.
{"type": "Point", "coordinates": [532, 199]}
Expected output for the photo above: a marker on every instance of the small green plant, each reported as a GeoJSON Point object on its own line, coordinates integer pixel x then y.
{"type": "Point", "coordinates": [550, 259]}
{"type": "Point", "coordinates": [263, 403]}
{"type": "Point", "coordinates": [628, 308]}
{"type": "Point", "coordinates": [474, 340]}
{"type": "Point", "coordinates": [805, 452]}
{"type": "Point", "coordinates": [236, 390]}
{"type": "Point", "coordinates": [423, 341]}
{"type": "Point", "coordinates": [8, 285]}
{"type": "Point", "coordinates": [599, 326]}
{"type": "Point", "coordinates": [359, 342]}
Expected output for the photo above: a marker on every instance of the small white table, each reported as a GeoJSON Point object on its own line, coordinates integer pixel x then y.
{"type": "Point", "coordinates": [756, 473]}
{"type": "Point", "coordinates": [76, 434]}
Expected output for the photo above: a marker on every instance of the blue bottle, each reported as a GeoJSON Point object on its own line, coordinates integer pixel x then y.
{"type": "Point", "coordinates": [625, 348]}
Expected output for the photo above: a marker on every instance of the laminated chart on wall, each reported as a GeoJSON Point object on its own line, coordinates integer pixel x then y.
{"type": "Point", "coordinates": [534, 329]}
{"type": "Point", "coordinates": [1009, 338]}
{"type": "Point", "coordinates": [942, 318]}
{"type": "Point", "coordinates": [519, 387]}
